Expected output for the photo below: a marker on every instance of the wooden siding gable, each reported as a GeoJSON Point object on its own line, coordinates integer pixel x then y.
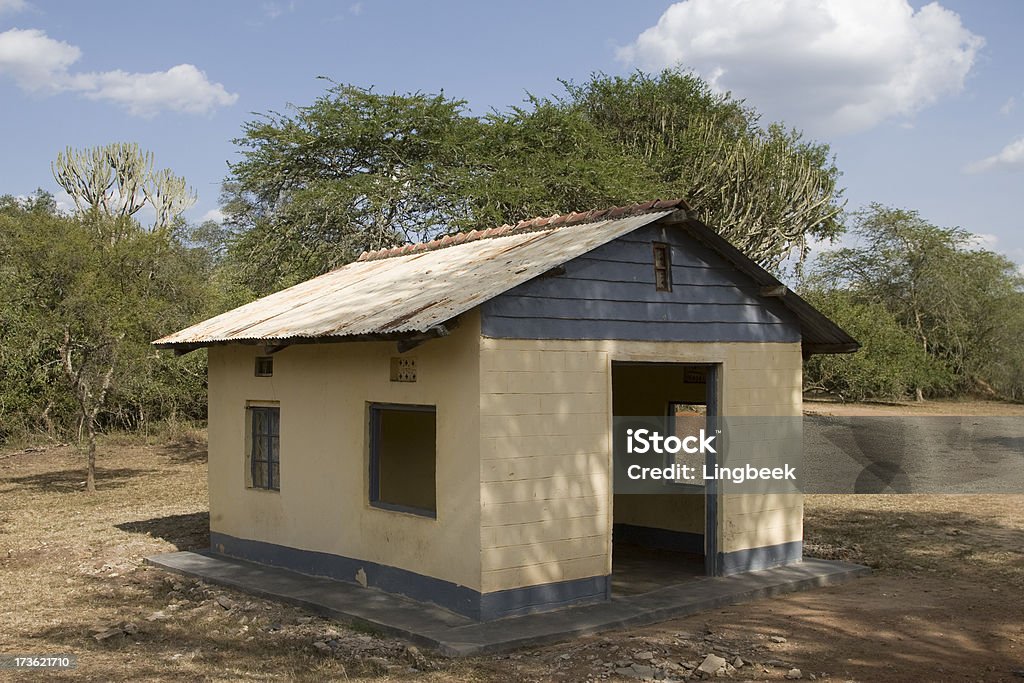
{"type": "Point", "coordinates": [610, 293]}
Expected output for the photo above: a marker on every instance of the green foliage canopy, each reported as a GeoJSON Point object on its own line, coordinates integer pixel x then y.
{"type": "Point", "coordinates": [358, 170]}
{"type": "Point", "coordinates": [963, 306]}
{"type": "Point", "coordinates": [83, 297]}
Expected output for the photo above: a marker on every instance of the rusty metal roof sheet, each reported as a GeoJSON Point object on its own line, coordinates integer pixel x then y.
{"type": "Point", "coordinates": [414, 289]}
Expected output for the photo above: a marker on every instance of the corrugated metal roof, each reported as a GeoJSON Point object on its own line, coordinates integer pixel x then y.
{"type": "Point", "coordinates": [412, 291]}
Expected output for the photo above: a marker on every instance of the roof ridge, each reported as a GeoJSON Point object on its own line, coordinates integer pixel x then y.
{"type": "Point", "coordinates": [528, 225]}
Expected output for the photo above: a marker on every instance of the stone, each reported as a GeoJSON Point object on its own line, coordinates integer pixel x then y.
{"type": "Point", "coordinates": [157, 616]}
{"type": "Point", "coordinates": [711, 664]}
{"type": "Point", "coordinates": [225, 602]}
{"type": "Point", "coordinates": [304, 620]}
{"type": "Point", "coordinates": [794, 674]}
{"type": "Point", "coordinates": [777, 639]}
{"type": "Point", "coordinates": [322, 646]}
{"type": "Point", "coordinates": [109, 633]}
{"type": "Point", "coordinates": [644, 656]}
{"type": "Point", "coordinates": [738, 662]}
{"type": "Point", "coordinates": [642, 671]}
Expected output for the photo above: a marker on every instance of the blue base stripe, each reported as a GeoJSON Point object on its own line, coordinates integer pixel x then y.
{"type": "Point", "coordinates": [753, 559]}
{"type": "Point", "coordinates": [451, 596]}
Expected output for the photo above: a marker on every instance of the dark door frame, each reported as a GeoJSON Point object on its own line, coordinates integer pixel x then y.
{"type": "Point", "coordinates": [712, 509]}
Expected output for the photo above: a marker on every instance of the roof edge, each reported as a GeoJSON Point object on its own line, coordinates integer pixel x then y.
{"type": "Point", "coordinates": [808, 315]}
{"type": "Point", "coordinates": [530, 225]}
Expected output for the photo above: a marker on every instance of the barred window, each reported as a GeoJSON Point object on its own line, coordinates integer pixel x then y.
{"type": "Point", "coordinates": [264, 453]}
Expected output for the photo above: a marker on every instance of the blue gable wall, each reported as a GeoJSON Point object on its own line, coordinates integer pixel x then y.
{"type": "Point", "coordinates": [609, 293]}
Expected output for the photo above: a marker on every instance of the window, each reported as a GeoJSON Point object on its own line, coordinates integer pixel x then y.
{"type": "Point", "coordinates": [264, 366]}
{"type": "Point", "coordinates": [688, 419]}
{"type": "Point", "coordinates": [662, 268]}
{"type": "Point", "coordinates": [403, 458]}
{"type": "Point", "coordinates": [264, 453]}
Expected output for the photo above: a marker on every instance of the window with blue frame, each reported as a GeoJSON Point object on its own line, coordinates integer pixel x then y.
{"type": "Point", "coordinates": [403, 458]}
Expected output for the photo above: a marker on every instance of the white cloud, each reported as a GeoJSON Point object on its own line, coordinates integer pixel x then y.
{"type": "Point", "coordinates": [830, 66]}
{"type": "Point", "coordinates": [181, 88]}
{"type": "Point", "coordinates": [273, 10]}
{"type": "Point", "coordinates": [215, 215]}
{"type": "Point", "coordinates": [35, 61]}
{"type": "Point", "coordinates": [356, 8]}
{"type": "Point", "coordinates": [38, 63]}
{"type": "Point", "coordinates": [1010, 157]}
{"type": "Point", "coordinates": [12, 6]}
{"type": "Point", "coordinates": [1008, 106]}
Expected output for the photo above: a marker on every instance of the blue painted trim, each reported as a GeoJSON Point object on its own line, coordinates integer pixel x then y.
{"type": "Point", "coordinates": [753, 559]}
{"type": "Point", "coordinates": [516, 602]}
{"type": "Point", "coordinates": [451, 596]}
{"type": "Point", "coordinates": [712, 512]}
{"type": "Point", "coordinates": [659, 539]}
{"type": "Point", "coordinates": [376, 409]}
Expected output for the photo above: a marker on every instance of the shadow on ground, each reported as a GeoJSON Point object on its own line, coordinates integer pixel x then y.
{"type": "Point", "coordinates": [186, 532]}
{"type": "Point", "coordinates": [185, 450]}
{"type": "Point", "coordinates": [942, 543]}
{"type": "Point", "coordinates": [62, 481]}
{"type": "Point", "coordinates": [164, 625]}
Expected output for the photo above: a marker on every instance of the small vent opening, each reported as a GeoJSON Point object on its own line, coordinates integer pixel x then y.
{"type": "Point", "coordinates": [662, 268]}
{"type": "Point", "coordinates": [264, 366]}
{"type": "Point", "coordinates": [403, 369]}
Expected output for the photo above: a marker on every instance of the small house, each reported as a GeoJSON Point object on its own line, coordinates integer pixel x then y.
{"type": "Point", "coordinates": [434, 420]}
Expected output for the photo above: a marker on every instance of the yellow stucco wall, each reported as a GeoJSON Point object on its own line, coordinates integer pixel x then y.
{"type": "Point", "coordinates": [545, 408]}
{"type": "Point", "coordinates": [323, 391]}
{"type": "Point", "coordinates": [523, 452]}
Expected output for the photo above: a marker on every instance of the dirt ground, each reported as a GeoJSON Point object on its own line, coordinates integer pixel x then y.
{"type": "Point", "coordinates": [945, 603]}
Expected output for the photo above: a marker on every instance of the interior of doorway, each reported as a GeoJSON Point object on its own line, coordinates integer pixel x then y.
{"type": "Point", "coordinates": [659, 539]}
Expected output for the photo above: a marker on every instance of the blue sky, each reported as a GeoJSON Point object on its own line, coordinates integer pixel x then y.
{"type": "Point", "coordinates": [922, 104]}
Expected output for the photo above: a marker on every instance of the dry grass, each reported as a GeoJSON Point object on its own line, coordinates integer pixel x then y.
{"type": "Point", "coordinates": [71, 566]}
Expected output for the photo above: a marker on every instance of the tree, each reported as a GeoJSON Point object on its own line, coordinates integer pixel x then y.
{"type": "Point", "coordinates": [118, 180]}
{"type": "Point", "coordinates": [360, 170]}
{"type": "Point", "coordinates": [766, 189]}
{"type": "Point", "coordinates": [86, 294]}
{"type": "Point", "coordinates": [960, 304]}
{"type": "Point", "coordinates": [355, 170]}
{"type": "Point", "coordinates": [889, 364]}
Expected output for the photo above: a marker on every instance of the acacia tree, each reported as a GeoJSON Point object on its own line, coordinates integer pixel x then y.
{"type": "Point", "coordinates": [118, 179]}
{"type": "Point", "coordinates": [962, 305]}
{"type": "Point", "coordinates": [355, 170]}
{"type": "Point", "coordinates": [360, 170]}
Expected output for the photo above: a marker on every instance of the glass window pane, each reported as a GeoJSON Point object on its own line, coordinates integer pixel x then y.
{"type": "Point", "coordinates": [259, 473]}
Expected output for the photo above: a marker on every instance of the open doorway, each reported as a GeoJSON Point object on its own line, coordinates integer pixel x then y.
{"type": "Point", "coordinates": [663, 539]}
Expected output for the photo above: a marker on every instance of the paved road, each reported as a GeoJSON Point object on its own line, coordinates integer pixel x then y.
{"type": "Point", "coordinates": [968, 454]}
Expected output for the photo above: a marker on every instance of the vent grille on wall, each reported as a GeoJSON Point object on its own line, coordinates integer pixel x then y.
{"type": "Point", "coordinates": [403, 369]}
